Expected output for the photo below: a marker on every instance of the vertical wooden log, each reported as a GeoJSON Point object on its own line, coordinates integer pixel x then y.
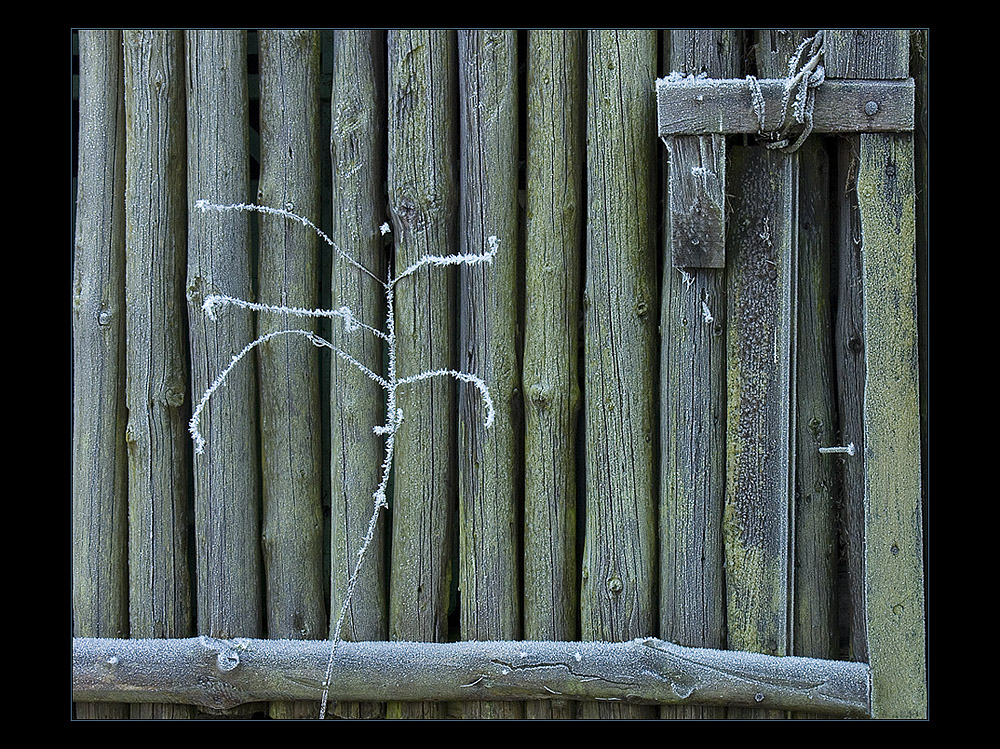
{"type": "Point", "coordinates": [489, 475]}
{"type": "Point", "coordinates": [757, 527]}
{"type": "Point", "coordinates": [227, 526]}
{"type": "Point", "coordinates": [357, 150]}
{"type": "Point", "coordinates": [618, 576]}
{"type": "Point", "coordinates": [288, 275]}
{"type": "Point", "coordinates": [422, 197]}
{"type": "Point", "coordinates": [815, 542]}
{"type": "Point", "coordinates": [159, 446]}
{"type": "Point", "coordinates": [100, 500]}
{"type": "Point", "coordinates": [692, 410]}
{"type": "Point", "coordinates": [554, 236]}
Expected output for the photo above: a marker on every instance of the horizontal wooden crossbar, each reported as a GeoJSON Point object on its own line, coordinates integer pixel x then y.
{"type": "Point", "coordinates": [699, 106]}
{"type": "Point", "coordinates": [225, 673]}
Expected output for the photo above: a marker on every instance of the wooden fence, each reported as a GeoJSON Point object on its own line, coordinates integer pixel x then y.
{"type": "Point", "coordinates": [701, 350]}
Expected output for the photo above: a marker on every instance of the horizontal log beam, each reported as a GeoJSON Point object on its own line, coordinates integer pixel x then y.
{"type": "Point", "coordinates": [699, 106]}
{"type": "Point", "coordinates": [225, 673]}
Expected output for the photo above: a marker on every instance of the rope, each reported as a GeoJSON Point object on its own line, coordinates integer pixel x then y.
{"type": "Point", "coordinates": [805, 74]}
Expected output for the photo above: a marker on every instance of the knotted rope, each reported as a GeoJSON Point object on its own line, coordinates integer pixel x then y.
{"type": "Point", "coordinates": [805, 75]}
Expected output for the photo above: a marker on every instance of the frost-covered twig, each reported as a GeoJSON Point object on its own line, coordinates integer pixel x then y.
{"type": "Point", "coordinates": [391, 383]}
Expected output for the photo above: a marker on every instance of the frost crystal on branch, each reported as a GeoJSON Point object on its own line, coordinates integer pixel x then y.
{"type": "Point", "coordinates": [391, 383]}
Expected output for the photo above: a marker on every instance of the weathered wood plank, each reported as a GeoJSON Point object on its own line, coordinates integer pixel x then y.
{"type": "Point", "coordinates": [221, 673]}
{"type": "Point", "coordinates": [763, 244]}
{"type": "Point", "coordinates": [695, 106]}
{"type": "Point", "coordinates": [100, 470]}
{"type": "Point", "coordinates": [894, 575]}
{"type": "Point", "coordinates": [697, 201]}
{"type": "Point", "coordinates": [553, 248]}
{"type": "Point", "coordinates": [489, 474]}
{"type": "Point", "coordinates": [619, 556]}
{"type": "Point", "coordinates": [816, 480]}
{"type": "Point", "coordinates": [227, 496]}
{"type": "Point", "coordinates": [159, 404]}
{"type": "Point", "coordinates": [357, 137]}
{"type": "Point", "coordinates": [288, 273]}
{"type": "Point", "coordinates": [697, 180]}
{"type": "Point", "coordinates": [692, 415]}
{"type": "Point", "coordinates": [423, 198]}
{"type": "Point", "coordinates": [885, 499]}
{"type": "Point", "coordinates": [814, 546]}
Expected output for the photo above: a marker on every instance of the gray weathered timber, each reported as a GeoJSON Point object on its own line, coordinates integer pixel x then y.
{"type": "Point", "coordinates": [100, 491]}
{"type": "Point", "coordinates": [357, 152]}
{"type": "Point", "coordinates": [422, 179]}
{"type": "Point", "coordinates": [227, 527]}
{"type": "Point", "coordinates": [761, 338]}
{"type": "Point", "coordinates": [288, 273]}
{"type": "Point", "coordinates": [697, 200]}
{"type": "Point", "coordinates": [814, 626]}
{"type": "Point", "coordinates": [693, 106]}
{"type": "Point", "coordinates": [816, 479]}
{"type": "Point", "coordinates": [692, 413]}
{"type": "Point", "coordinates": [553, 249]}
{"type": "Point", "coordinates": [619, 557]}
{"type": "Point", "coordinates": [159, 405]}
{"type": "Point", "coordinates": [697, 180]}
{"type": "Point", "coordinates": [849, 349]}
{"type": "Point", "coordinates": [221, 673]}
{"type": "Point", "coordinates": [866, 53]}
{"type": "Point", "coordinates": [488, 464]}
{"type": "Point", "coordinates": [894, 580]}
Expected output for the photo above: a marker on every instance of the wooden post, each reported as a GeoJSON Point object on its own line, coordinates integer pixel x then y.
{"type": "Point", "coordinates": [553, 249]}
{"type": "Point", "coordinates": [890, 592]}
{"type": "Point", "coordinates": [692, 405]}
{"type": "Point", "coordinates": [159, 405]}
{"type": "Point", "coordinates": [357, 152]}
{"type": "Point", "coordinates": [227, 526]}
{"type": "Point", "coordinates": [100, 542]}
{"type": "Point", "coordinates": [288, 275]}
{"type": "Point", "coordinates": [619, 556]}
{"type": "Point", "coordinates": [422, 197]}
{"type": "Point", "coordinates": [489, 479]}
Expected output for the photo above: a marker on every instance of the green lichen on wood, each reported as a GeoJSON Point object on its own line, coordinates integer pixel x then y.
{"type": "Point", "coordinates": [894, 594]}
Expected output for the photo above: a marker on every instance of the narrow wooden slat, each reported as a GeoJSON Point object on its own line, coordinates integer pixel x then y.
{"type": "Point", "coordinates": [553, 249]}
{"type": "Point", "coordinates": [894, 575]}
{"type": "Point", "coordinates": [227, 527]}
{"type": "Point", "coordinates": [489, 476]}
{"type": "Point", "coordinates": [698, 106]}
{"type": "Point", "coordinates": [422, 196]}
{"type": "Point", "coordinates": [220, 673]}
{"type": "Point", "coordinates": [288, 273]}
{"type": "Point", "coordinates": [357, 150]}
{"type": "Point", "coordinates": [692, 414]}
{"type": "Point", "coordinates": [619, 556]}
{"type": "Point", "coordinates": [816, 480]}
{"type": "Point", "coordinates": [100, 509]}
{"type": "Point", "coordinates": [159, 405]}
{"type": "Point", "coordinates": [757, 525]}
